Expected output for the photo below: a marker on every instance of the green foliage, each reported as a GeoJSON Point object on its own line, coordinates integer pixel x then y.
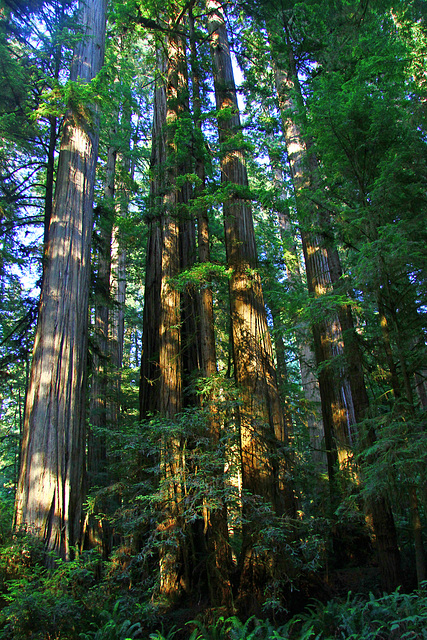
{"type": "Point", "coordinates": [56, 606]}
{"type": "Point", "coordinates": [41, 603]}
{"type": "Point", "coordinates": [392, 616]}
{"type": "Point", "coordinates": [78, 97]}
{"type": "Point", "coordinates": [396, 461]}
{"type": "Point", "coordinates": [113, 626]}
{"type": "Point", "coordinates": [233, 629]}
{"type": "Point", "coordinates": [163, 635]}
{"type": "Point", "coordinates": [201, 274]}
{"type": "Point", "coordinates": [364, 90]}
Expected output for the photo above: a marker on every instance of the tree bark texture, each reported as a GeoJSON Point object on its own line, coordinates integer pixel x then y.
{"type": "Point", "coordinates": [150, 373]}
{"type": "Point", "coordinates": [173, 569]}
{"type": "Point", "coordinates": [261, 414]}
{"type": "Point", "coordinates": [324, 272]}
{"type": "Point", "coordinates": [217, 547]}
{"type": "Point", "coordinates": [50, 488]}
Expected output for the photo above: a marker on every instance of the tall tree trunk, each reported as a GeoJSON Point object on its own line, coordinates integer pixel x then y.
{"type": "Point", "coordinates": [97, 532]}
{"type": "Point", "coordinates": [323, 272]}
{"type": "Point", "coordinates": [118, 286]}
{"type": "Point", "coordinates": [150, 374]}
{"type": "Point", "coordinates": [260, 414]}
{"type": "Point", "coordinates": [53, 135]}
{"type": "Point", "coordinates": [318, 275]}
{"type": "Point", "coordinates": [50, 170]}
{"type": "Point", "coordinates": [207, 335]}
{"type": "Point", "coordinates": [306, 356]}
{"type": "Point", "coordinates": [173, 561]}
{"type": "Point", "coordinates": [219, 562]}
{"type": "Point", "coordinates": [97, 456]}
{"type": "Point", "coordinates": [190, 298]}
{"type": "Point", "coordinates": [50, 490]}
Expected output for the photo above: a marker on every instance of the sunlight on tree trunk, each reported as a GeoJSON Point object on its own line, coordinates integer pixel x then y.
{"type": "Point", "coordinates": [219, 562]}
{"type": "Point", "coordinates": [323, 273]}
{"type": "Point", "coordinates": [172, 576]}
{"type": "Point", "coordinates": [50, 490]}
{"type": "Point", "coordinates": [260, 415]}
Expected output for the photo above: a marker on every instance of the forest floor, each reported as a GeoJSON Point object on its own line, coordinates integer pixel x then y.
{"type": "Point", "coordinates": [88, 599]}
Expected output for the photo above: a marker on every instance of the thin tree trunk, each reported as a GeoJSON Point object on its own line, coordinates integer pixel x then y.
{"type": "Point", "coordinates": [118, 288]}
{"type": "Point", "coordinates": [318, 281]}
{"type": "Point", "coordinates": [49, 178]}
{"type": "Point", "coordinates": [417, 528]}
{"type": "Point", "coordinates": [53, 134]}
{"type": "Point", "coordinates": [50, 490]}
{"type": "Point", "coordinates": [306, 356]}
{"type": "Point", "coordinates": [421, 387]}
{"type": "Point", "coordinates": [97, 455]}
{"type": "Point", "coordinates": [150, 373]}
{"type": "Point", "coordinates": [386, 307]}
{"type": "Point", "coordinates": [97, 532]}
{"type": "Point", "coordinates": [207, 334]}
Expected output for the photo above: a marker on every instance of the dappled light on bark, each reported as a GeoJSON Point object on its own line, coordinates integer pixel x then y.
{"type": "Point", "coordinates": [260, 414]}
{"type": "Point", "coordinates": [54, 430]}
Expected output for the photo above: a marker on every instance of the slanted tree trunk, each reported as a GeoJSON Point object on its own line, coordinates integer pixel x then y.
{"type": "Point", "coordinates": [50, 489]}
{"type": "Point", "coordinates": [260, 415]}
{"type": "Point", "coordinates": [306, 356]}
{"type": "Point", "coordinates": [323, 272]}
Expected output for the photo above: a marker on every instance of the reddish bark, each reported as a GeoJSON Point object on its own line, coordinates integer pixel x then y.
{"type": "Point", "coordinates": [50, 489]}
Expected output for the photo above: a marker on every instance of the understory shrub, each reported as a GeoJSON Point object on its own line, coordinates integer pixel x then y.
{"type": "Point", "coordinates": [396, 616]}
{"type": "Point", "coordinates": [79, 600]}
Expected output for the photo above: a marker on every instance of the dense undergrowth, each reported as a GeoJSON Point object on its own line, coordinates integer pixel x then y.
{"type": "Point", "coordinates": [88, 599]}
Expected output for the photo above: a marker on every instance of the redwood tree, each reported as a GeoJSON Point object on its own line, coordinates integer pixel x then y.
{"type": "Point", "coordinates": [260, 414]}
{"type": "Point", "coordinates": [50, 490]}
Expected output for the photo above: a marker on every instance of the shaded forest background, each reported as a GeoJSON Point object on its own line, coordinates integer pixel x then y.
{"type": "Point", "coordinates": [213, 319]}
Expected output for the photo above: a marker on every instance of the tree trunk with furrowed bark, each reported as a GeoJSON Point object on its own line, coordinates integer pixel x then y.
{"type": "Point", "coordinates": [260, 415]}
{"type": "Point", "coordinates": [323, 274]}
{"type": "Point", "coordinates": [50, 490]}
{"type": "Point", "coordinates": [173, 565]}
